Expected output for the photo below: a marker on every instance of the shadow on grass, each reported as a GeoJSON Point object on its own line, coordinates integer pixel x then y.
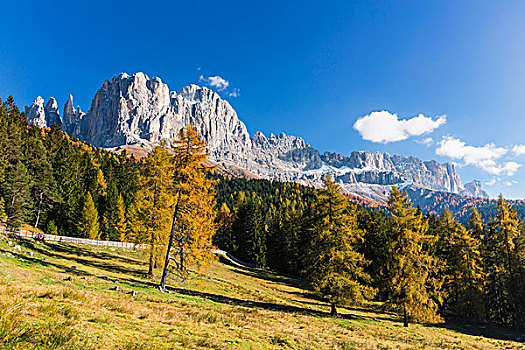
{"type": "Point", "coordinates": [65, 251]}
{"type": "Point", "coordinates": [484, 330]}
{"type": "Point", "coordinates": [262, 274]}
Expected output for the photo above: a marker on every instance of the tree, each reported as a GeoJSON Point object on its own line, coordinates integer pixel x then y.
{"type": "Point", "coordinates": [462, 268]}
{"type": "Point", "coordinates": [154, 199]}
{"type": "Point", "coordinates": [122, 222]}
{"type": "Point", "coordinates": [413, 286]}
{"type": "Point", "coordinates": [502, 253]}
{"type": "Point", "coordinates": [476, 226]}
{"type": "Point", "coordinates": [88, 225]}
{"type": "Point", "coordinates": [3, 215]}
{"type": "Point", "coordinates": [223, 237]}
{"type": "Point", "coordinates": [190, 240]}
{"type": "Point", "coordinates": [248, 231]}
{"type": "Point", "coordinates": [335, 269]}
{"type": "Point", "coordinates": [43, 186]}
{"type": "Point", "coordinates": [16, 189]}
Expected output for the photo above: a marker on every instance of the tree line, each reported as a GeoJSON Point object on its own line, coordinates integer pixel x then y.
{"type": "Point", "coordinates": [424, 267]}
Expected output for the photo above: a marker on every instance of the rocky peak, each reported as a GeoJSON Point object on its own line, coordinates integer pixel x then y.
{"type": "Point", "coordinates": [474, 189]}
{"type": "Point", "coordinates": [35, 113]}
{"type": "Point", "coordinates": [136, 109]}
{"type": "Point", "coordinates": [42, 116]}
{"type": "Point", "coordinates": [71, 116]}
{"type": "Point", "coordinates": [52, 113]}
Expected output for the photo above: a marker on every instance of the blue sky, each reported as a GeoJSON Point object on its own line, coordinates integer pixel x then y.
{"type": "Point", "coordinates": [306, 68]}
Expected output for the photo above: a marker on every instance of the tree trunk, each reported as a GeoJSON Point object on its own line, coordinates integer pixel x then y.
{"type": "Point", "coordinates": [150, 270]}
{"type": "Point", "coordinates": [39, 210]}
{"type": "Point", "coordinates": [170, 244]}
{"type": "Point", "coordinates": [405, 316]}
{"type": "Point", "coordinates": [152, 250]}
{"type": "Point", "coordinates": [333, 310]}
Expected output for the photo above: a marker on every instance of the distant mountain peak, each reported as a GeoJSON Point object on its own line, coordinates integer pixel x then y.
{"type": "Point", "coordinates": [136, 109]}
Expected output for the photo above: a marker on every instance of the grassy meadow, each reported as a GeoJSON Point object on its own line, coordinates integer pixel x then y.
{"type": "Point", "coordinates": [80, 297]}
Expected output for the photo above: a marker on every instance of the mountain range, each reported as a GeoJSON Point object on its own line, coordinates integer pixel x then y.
{"type": "Point", "coordinates": [141, 111]}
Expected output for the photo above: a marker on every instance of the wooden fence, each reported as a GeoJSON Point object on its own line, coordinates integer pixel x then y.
{"type": "Point", "coordinates": [64, 239]}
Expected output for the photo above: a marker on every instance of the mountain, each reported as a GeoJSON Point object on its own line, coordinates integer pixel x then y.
{"type": "Point", "coordinates": [137, 110]}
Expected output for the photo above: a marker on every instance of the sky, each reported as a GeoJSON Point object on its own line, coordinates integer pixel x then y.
{"type": "Point", "coordinates": [441, 80]}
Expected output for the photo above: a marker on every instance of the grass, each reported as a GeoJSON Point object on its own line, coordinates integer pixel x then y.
{"type": "Point", "coordinates": [227, 308]}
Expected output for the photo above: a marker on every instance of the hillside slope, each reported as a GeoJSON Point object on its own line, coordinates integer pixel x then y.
{"type": "Point", "coordinates": [230, 307]}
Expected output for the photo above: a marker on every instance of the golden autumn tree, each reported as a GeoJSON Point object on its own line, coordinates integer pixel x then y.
{"type": "Point", "coordinates": [151, 213]}
{"type": "Point", "coordinates": [121, 224]}
{"type": "Point", "coordinates": [336, 270]}
{"type": "Point", "coordinates": [88, 224]}
{"type": "Point", "coordinates": [413, 287]}
{"type": "Point", "coordinates": [504, 249]}
{"type": "Point", "coordinates": [462, 269]}
{"type": "Point", "coordinates": [193, 218]}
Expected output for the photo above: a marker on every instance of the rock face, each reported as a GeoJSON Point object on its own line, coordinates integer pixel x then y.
{"type": "Point", "coordinates": [473, 188]}
{"type": "Point", "coordinates": [72, 117]}
{"type": "Point", "coordinates": [142, 111]}
{"type": "Point", "coordinates": [38, 115]}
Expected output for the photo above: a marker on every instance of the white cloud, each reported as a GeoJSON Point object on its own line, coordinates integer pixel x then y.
{"type": "Point", "coordinates": [497, 180]}
{"type": "Point", "coordinates": [386, 127]}
{"type": "Point", "coordinates": [518, 150]}
{"type": "Point", "coordinates": [234, 93]}
{"type": "Point", "coordinates": [426, 141]}
{"type": "Point", "coordinates": [217, 82]}
{"type": "Point", "coordinates": [493, 181]}
{"type": "Point", "coordinates": [483, 157]}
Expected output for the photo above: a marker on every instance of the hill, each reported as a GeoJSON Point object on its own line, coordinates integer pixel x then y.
{"type": "Point", "coordinates": [62, 296]}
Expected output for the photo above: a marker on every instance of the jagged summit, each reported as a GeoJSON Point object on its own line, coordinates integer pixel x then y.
{"type": "Point", "coordinates": [136, 109]}
{"type": "Point", "coordinates": [42, 116]}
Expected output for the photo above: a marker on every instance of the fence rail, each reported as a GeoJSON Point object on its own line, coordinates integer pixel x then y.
{"type": "Point", "coordinates": [64, 239]}
{"type": "Point", "coordinates": [17, 233]}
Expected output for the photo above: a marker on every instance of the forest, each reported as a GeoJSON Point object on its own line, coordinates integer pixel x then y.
{"type": "Point", "coordinates": [425, 267]}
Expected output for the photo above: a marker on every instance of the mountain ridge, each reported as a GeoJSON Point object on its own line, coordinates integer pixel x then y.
{"type": "Point", "coordinates": [138, 110]}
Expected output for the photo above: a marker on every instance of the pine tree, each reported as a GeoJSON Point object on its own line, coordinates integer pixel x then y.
{"type": "Point", "coordinates": [89, 225]}
{"type": "Point", "coordinates": [412, 269]}
{"type": "Point", "coordinates": [43, 186]}
{"type": "Point", "coordinates": [17, 180]}
{"type": "Point", "coordinates": [335, 269]}
{"type": "Point", "coordinates": [122, 222]}
{"type": "Point", "coordinates": [3, 215]}
{"type": "Point", "coordinates": [16, 189]}
{"type": "Point", "coordinates": [223, 237]}
{"type": "Point", "coordinates": [247, 229]}
{"type": "Point", "coordinates": [476, 226]}
{"type": "Point", "coordinates": [502, 251]}
{"type": "Point", "coordinates": [193, 220]}
{"type": "Point", "coordinates": [462, 269]}
{"type": "Point", "coordinates": [154, 200]}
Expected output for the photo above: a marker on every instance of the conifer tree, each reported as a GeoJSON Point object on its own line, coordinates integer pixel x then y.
{"type": "Point", "coordinates": [151, 215]}
{"type": "Point", "coordinates": [3, 215]}
{"type": "Point", "coordinates": [335, 269]}
{"type": "Point", "coordinates": [462, 268]}
{"type": "Point", "coordinates": [89, 225]}
{"type": "Point", "coordinates": [122, 222]}
{"type": "Point", "coordinates": [193, 219]}
{"type": "Point", "coordinates": [248, 231]}
{"type": "Point", "coordinates": [502, 250]}
{"type": "Point", "coordinates": [16, 189]}
{"type": "Point", "coordinates": [476, 227]}
{"type": "Point", "coordinates": [413, 287]}
{"type": "Point", "coordinates": [17, 180]}
{"type": "Point", "coordinates": [223, 237]}
{"type": "Point", "coordinates": [43, 186]}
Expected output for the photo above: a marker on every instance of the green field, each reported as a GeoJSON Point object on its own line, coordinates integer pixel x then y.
{"type": "Point", "coordinates": [231, 307]}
